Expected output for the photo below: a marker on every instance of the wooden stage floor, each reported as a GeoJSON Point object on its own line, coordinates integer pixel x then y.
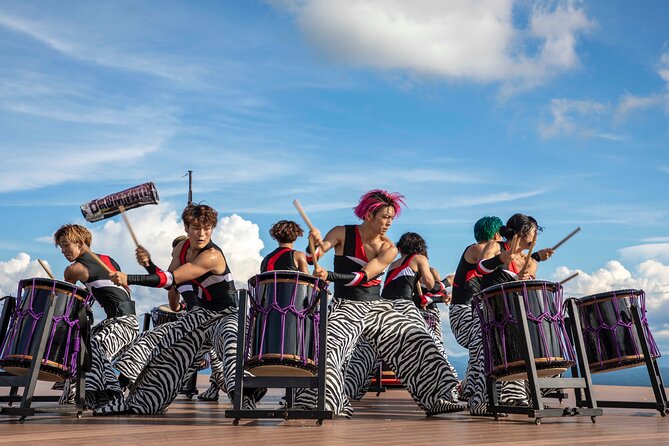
{"type": "Point", "coordinates": [390, 419]}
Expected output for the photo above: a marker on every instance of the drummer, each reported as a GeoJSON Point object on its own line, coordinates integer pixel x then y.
{"type": "Point", "coordinates": [404, 276]}
{"type": "Point", "coordinates": [504, 261]}
{"type": "Point", "coordinates": [198, 267]}
{"type": "Point", "coordinates": [111, 336]}
{"type": "Point", "coordinates": [362, 253]}
{"type": "Point", "coordinates": [284, 257]}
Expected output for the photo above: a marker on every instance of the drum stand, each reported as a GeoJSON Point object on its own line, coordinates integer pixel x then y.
{"type": "Point", "coordinates": [656, 381]}
{"type": "Point", "coordinates": [29, 381]}
{"type": "Point", "coordinates": [282, 382]}
{"type": "Point", "coordinates": [379, 388]}
{"type": "Point", "coordinates": [536, 409]}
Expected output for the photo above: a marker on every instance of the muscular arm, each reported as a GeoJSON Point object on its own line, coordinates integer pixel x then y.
{"type": "Point", "coordinates": [301, 262]}
{"type": "Point", "coordinates": [74, 272]}
{"type": "Point", "coordinates": [423, 266]}
{"type": "Point", "coordinates": [173, 297]}
{"type": "Point", "coordinates": [385, 257]}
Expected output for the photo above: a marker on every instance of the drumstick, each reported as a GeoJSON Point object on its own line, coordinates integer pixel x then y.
{"type": "Point", "coordinates": [300, 209]}
{"type": "Point", "coordinates": [127, 224]}
{"type": "Point", "coordinates": [529, 254]}
{"type": "Point", "coordinates": [566, 238]}
{"type": "Point", "coordinates": [563, 281]}
{"type": "Point", "coordinates": [314, 258]}
{"type": "Point", "coordinates": [46, 268]}
{"type": "Point", "coordinates": [513, 246]}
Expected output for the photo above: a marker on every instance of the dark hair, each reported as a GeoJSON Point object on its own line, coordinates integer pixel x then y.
{"type": "Point", "coordinates": [519, 224]}
{"type": "Point", "coordinates": [486, 228]}
{"type": "Point", "coordinates": [412, 243]}
{"type": "Point", "coordinates": [285, 231]}
{"type": "Point", "coordinates": [200, 213]}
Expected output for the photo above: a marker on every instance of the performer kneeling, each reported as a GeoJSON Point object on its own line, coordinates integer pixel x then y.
{"type": "Point", "coordinates": [110, 337]}
{"type": "Point", "coordinates": [200, 269]}
{"type": "Point", "coordinates": [362, 253]}
{"type": "Point", "coordinates": [403, 277]}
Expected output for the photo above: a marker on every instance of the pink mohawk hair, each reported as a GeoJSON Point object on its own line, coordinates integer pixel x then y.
{"type": "Point", "coordinates": [376, 199]}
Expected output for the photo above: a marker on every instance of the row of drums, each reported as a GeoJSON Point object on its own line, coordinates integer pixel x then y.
{"type": "Point", "coordinates": [283, 320]}
{"type": "Point", "coordinates": [611, 337]}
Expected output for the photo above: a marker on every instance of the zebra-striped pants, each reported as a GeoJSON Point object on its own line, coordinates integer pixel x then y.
{"type": "Point", "coordinates": [466, 328]}
{"type": "Point", "coordinates": [109, 339]}
{"type": "Point", "coordinates": [364, 359]}
{"type": "Point", "coordinates": [172, 361]}
{"type": "Point", "coordinates": [402, 344]}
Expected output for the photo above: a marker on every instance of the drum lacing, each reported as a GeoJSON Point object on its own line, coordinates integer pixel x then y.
{"type": "Point", "coordinates": [637, 298]}
{"type": "Point", "coordinates": [301, 316]}
{"type": "Point", "coordinates": [488, 323]}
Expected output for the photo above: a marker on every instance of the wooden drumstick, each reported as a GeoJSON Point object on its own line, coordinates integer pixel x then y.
{"type": "Point", "coordinates": [566, 238]}
{"type": "Point", "coordinates": [312, 228]}
{"type": "Point", "coordinates": [513, 245]}
{"type": "Point", "coordinates": [314, 258]}
{"type": "Point", "coordinates": [46, 268]}
{"type": "Point", "coordinates": [127, 224]}
{"type": "Point", "coordinates": [563, 281]}
{"type": "Point", "coordinates": [529, 254]}
{"type": "Point", "coordinates": [97, 259]}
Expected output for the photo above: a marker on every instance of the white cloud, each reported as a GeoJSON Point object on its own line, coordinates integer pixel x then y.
{"type": "Point", "coordinates": [18, 268]}
{"type": "Point", "coordinates": [74, 41]}
{"type": "Point", "coordinates": [630, 103]}
{"type": "Point", "coordinates": [650, 276]}
{"type": "Point", "coordinates": [574, 117]}
{"type": "Point", "coordinates": [240, 241]}
{"type": "Point", "coordinates": [456, 39]}
{"type": "Point", "coordinates": [657, 251]}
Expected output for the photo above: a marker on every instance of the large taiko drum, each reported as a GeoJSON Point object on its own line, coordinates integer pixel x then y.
{"type": "Point", "coordinates": [500, 326]}
{"type": "Point", "coordinates": [283, 324]}
{"type": "Point", "coordinates": [163, 314]}
{"type": "Point", "coordinates": [64, 342]}
{"type": "Point", "coordinates": [609, 332]}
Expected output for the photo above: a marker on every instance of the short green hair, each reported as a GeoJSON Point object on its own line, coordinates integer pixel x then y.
{"type": "Point", "coordinates": [486, 228]}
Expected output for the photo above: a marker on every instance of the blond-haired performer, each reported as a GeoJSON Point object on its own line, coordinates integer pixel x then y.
{"type": "Point", "coordinates": [110, 337]}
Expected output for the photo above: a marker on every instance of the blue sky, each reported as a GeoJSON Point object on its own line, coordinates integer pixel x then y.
{"type": "Point", "coordinates": [554, 109]}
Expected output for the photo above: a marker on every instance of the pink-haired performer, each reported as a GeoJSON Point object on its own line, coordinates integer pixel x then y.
{"type": "Point", "coordinates": [362, 253]}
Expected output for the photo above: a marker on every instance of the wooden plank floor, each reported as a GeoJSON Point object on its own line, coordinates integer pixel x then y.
{"type": "Point", "coordinates": [391, 419]}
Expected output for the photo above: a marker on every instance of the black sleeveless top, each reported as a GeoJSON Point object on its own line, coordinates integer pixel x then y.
{"type": "Point", "coordinates": [353, 260]}
{"type": "Point", "coordinates": [279, 259]}
{"type": "Point", "coordinates": [467, 281]}
{"type": "Point", "coordinates": [214, 292]}
{"type": "Point", "coordinates": [114, 299]}
{"type": "Point", "coordinates": [501, 274]}
{"type": "Point", "coordinates": [401, 281]}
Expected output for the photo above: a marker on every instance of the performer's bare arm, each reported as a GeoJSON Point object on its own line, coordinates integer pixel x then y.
{"type": "Point", "coordinates": [74, 272]}
{"type": "Point", "coordinates": [426, 276]}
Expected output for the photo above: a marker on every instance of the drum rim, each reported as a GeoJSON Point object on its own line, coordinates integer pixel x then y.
{"type": "Point", "coordinates": [517, 285]}
{"type": "Point", "coordinates": [302, 277]}
{"type": "Point", "coordinates": [159, 308]}
{"type": "Point", "coordinates": [40, 282]}
{"type": "Point", "coordinates": [607, 295]}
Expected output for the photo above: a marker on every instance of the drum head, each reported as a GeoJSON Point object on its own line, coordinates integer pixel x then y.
{"type": "Point", "coordinates": [283, 276]}
{"type": "Point", "coordinates": [19, 365]}
{"type": "Point", "coordinates": [167, 309]}
{"type": "Point", "coordinates": [609, 295]}
{"type": "Point", "coordinates": [272, 364]}
{"type": "Point", "coordinates": [518, 286]}
{"type": "Point", "coordinates": [60, 286]}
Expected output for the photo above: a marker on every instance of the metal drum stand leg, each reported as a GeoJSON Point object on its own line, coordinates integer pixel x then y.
{"type": "Point", "coordinates": [536, 409]}
{"type": "Point", "coordinates": [282, 382]}
{"type": "Point", "coordinates": [654, 374]}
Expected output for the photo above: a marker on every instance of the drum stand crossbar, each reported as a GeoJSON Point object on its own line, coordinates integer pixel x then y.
{"type": "Point", "coordinates": [653, 368]}
{"type": "Point", "coordinates": [29, 381]}
{"type": "Point", "coordinates": [290, 383]}
{"type": "Point", "coordinates": [536, 409]}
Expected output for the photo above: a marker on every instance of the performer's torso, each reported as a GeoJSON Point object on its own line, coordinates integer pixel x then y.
{"type": "Point", "coordinates": [466, 282]}
{"type": "Point", "coordinates": [114, 299]}
{"type": "Point", "coordinates": [400, 281]}
{"type": "Point", "coordinates": [353, 259]}
{"type": "Point", "coordinates": [279, 259]}
{"type": "Point", "coordinates": [214, 292]}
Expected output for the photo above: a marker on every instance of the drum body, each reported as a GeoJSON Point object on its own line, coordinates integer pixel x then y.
{"type": "Point", "coordinates": [164, 314]}
{"type": "Point", "coordinates": [63, 345]}
{"type": "Point", "coordinates": [501, 330]}
{"type": "Point", "coordinates": [609, 332]}
{"type": "Point", "coordinates": [283, 324]}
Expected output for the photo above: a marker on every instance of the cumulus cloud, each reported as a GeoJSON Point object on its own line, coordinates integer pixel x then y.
{"type": "Point", "coordinates": [240, 241]}
{"type": "Point", "coordinates": [13, 270]}
{"type": "Point", "coordinates": [456, 39]}
{"type": "Point", "coordinates": [650, 275]}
